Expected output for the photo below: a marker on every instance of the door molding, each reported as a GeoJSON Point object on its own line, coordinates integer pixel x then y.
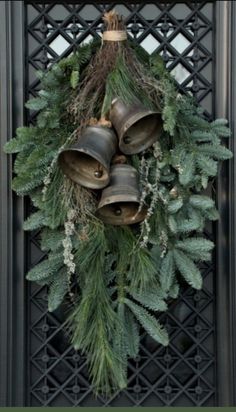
{"type": "Point", "coordinates": [12, 250]}
{"type": "Point", "coordinates": [225, 84]}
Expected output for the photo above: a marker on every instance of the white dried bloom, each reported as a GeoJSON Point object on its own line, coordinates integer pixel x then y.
{"type": "Point", "coordinates": [72, 267]}
{"type": "Point", "coordinates": [157, 152]}
{"type": "Point", "coordinates": [179, 169]}
{"type": "Point", "coordinates": [151, 189]}
{"type": "Point", "coordinates": [71, 214]}
{"type": "Point", "coordinates": [69, 228]}
{"type": "Point", "coordinates": [67, 243]}
{"type": "Point", "coordinates": [47, 180]}
{"type": "Point", "coordinates": [163, 253]}
{"type": "Point", "coordinates": [163, 242]}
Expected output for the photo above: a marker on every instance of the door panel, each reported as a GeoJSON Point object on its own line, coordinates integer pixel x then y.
{"type": "Point", "coordinates": [184, 373]}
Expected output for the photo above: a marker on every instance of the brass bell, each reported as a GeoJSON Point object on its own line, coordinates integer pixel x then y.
{"type": "Point", "coordinates": [137, 127]}
{"type": "Point", "coordinates": [87, 162]}
{"type": "Point", "coordinates": [119, 204]}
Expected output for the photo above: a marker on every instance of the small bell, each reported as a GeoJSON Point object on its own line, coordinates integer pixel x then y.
{"type": "Point", "coordinates": [87, 162]}
{"type": "Point", "coordinates": [137, 127]}
{"type": "Point", "coordinates": [120, 201]}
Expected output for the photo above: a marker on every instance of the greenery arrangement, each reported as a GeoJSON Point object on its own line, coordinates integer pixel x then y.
{"type": "Point", "coordinates": [117, 277]}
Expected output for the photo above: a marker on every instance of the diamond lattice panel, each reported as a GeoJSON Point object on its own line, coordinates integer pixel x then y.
{"type": "Point", "coordinates": [184, 373]}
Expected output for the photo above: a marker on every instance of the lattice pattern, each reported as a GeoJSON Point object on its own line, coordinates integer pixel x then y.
{"type": "Point", "coordinates": [184, 373]}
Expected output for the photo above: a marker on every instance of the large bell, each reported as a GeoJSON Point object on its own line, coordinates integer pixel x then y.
{"type": "Point", "coordinates": [137, 127]}
{"type": "Point", "coordinates": [87, 162]}
{"type": "Point", "coordinates": [120, 201]}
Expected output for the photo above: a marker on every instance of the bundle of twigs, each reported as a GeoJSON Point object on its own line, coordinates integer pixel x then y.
{"type": "Point", "coordinates": [92, 89]}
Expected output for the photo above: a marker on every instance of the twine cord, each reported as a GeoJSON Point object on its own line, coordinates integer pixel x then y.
{"type": "Point", "coordinates": [114, 35]}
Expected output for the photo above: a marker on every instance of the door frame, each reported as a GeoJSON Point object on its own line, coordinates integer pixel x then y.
{"type": "Point", "coordinates": [225, 84]}
{"type": "Point", "coordinates": [13, 319]}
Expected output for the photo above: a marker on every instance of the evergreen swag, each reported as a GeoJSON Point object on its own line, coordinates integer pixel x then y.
{"type": "Point", "coordinates": [118, 277]}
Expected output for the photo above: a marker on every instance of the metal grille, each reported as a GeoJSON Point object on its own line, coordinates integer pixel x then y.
{"type": "Point", "coordinates": [184, 373]}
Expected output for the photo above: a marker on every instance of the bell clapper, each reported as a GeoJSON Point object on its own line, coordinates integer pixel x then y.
{"type": "Point", "coordinates": [118, 211]}
{"type": "Point", "coordinates": [99, 172]}
{"type": "Point", "coordinates": [127, 139]}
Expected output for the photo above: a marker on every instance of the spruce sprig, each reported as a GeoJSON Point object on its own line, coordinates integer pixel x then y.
{"type": "Point", "coordinates": [94, 322]}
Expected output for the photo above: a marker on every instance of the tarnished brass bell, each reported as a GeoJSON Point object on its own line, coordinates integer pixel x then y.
{"type": "Point", "coordinates": [87, 162]}
{"type": "Point", "coordinates": [119, 203]}
{"type": "Point", "coordinates": [137, 127]}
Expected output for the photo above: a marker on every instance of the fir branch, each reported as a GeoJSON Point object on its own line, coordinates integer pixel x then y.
{"type": "Point", "coordinates": [132, 334]}
{"type": "Point", "coordinates": [24, 140]}
{"type": "Point", "coordinates": [205, 136]}
{"type": "Point", "coordinates": [197, 248]}
{"type": "Point", "coordinates": [192, 220]}
{"type": "Point", "coordinates": [57, 290]}
{"type": "Point", "coordinates": [211, 214]}
{"type": "Point", "coordinates": [55, 207]}
{"type": "Point", "coordinates": [187, 169]}
{"type": "Point", "coordinates": [47, 268]}
{"type": "Point", "coordinates": [151, 300]}
{"type": "Point", "coordinates": [201, 202]}
{"type": "Point", "coordinates": [23, 186]}
{"type": "Point", "coordinates": [36, 103]}
{"type": "Point", "coordinates": [188, 269]}
{"type": "Point", "coordinates": [119, 343]}
{"type": "Point", "coordinates": [206, 165]}
{"type": "Point", "coordinates": [51, 239]}
{"type": "Point", "coordinates": [167, 271]}
{"type": "Point", "coordinates": [174, 289]}
{"type": "Point", "coordinates": [35, 221]}
{"type": "Point", "coordinates": [142, 271]}
{"type": "Point", "coordinates": [216, 151]}
{"type": "Point", "coordinates": [175, 205]}
{"type": "Point", "coordinates": [149, 323]}
{"type": "Point", "coordinates": [173, 224]}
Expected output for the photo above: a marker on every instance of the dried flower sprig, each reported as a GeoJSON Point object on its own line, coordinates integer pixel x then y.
{"type": "Point", "coordinates": [149, 189]}
{"type": "Point", "coordinates": [69, 228]}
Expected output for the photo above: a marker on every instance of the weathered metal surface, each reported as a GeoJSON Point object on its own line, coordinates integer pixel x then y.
{"type": "Point", "coordinates": [119, 204]}
{"type": "Point", "coordinates": [87, 162]}
{"type": "Point", "coordinates": [138, 128]}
